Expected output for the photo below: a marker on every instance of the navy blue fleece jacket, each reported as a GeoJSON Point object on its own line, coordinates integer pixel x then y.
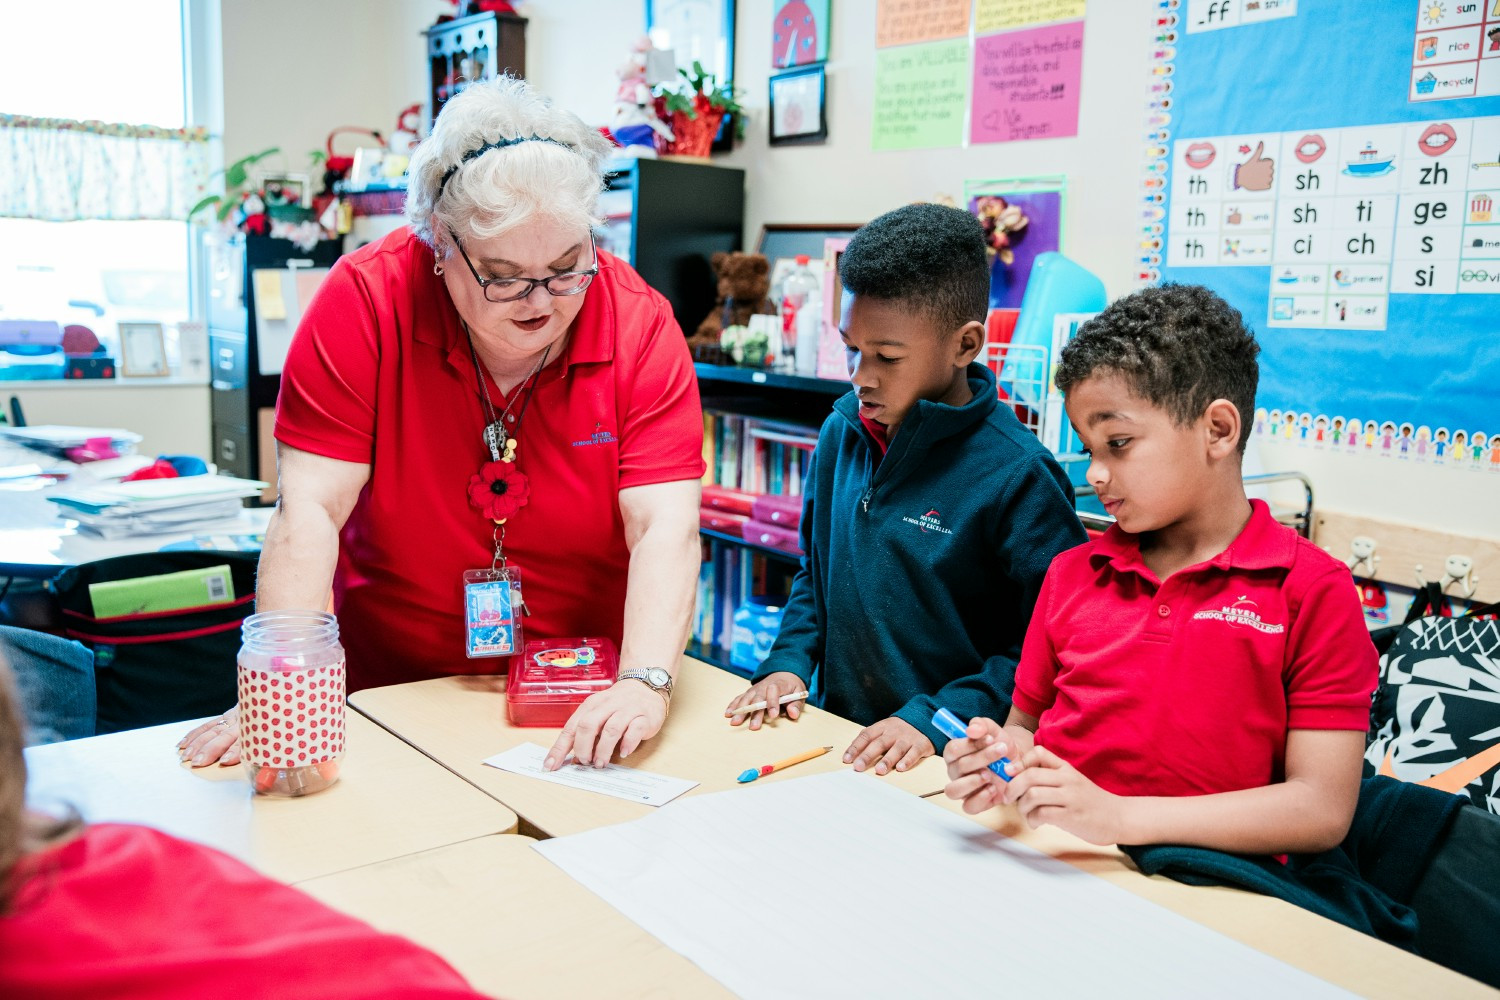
{"type": "Point", "coordinates": [922, 568]}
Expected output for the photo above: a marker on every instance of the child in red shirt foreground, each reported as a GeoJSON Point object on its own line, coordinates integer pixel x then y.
{"type": "Point", "coordinates": [129, 913]}
{"type": "Point", "coordinates": [1201, 674]}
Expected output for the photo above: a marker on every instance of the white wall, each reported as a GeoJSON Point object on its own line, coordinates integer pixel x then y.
{"type": "Point", "coordinates": [296, 69]}
{"type": "Point", "coordinates": [171, 419]}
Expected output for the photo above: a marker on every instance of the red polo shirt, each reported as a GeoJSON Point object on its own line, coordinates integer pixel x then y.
{"type": "Point", "coordinates": [130, 913]}
{"type": "Point", "coordinates": [1189, 686]}
{"type": "Point", "coordinates": [379, 372]}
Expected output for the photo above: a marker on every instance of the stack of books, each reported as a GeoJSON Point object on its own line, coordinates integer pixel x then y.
{"type": "Point", "coordinates": [156, 506]}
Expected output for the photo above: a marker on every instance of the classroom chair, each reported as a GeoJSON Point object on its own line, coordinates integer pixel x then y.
{"type": "Point", "coordinates": [158, 667]}
{"type": "Point", "coordinates": [55, 679]}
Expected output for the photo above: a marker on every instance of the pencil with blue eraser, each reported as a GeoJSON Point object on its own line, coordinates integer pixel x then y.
{"type": "Point", "coordinates": [952, 727]}
{"type": "Point", "coordinates": [750, 774]}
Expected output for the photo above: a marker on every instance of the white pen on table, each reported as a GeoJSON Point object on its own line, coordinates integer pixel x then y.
{"type": "Point", "coordinates": [761, 706]}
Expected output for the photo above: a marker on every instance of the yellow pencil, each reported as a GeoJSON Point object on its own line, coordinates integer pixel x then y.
{"type": "Point", "coordinates": [756, 772]}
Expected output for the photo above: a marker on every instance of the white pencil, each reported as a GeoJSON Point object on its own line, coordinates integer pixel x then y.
{"type": "Point", "coordinates": [761, 706]}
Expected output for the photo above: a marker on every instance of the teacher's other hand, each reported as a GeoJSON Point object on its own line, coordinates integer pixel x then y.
{"type": "Point", "coordinates": [215, 740]}
{"type": "Point", "coordinates": [622, 717]}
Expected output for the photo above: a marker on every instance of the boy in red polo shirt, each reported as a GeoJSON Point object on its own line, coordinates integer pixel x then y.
{"type": "Point", "coordinates": [1201, 674]}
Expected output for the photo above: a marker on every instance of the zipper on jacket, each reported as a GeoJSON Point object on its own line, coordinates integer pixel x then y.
{"type": "Point", "coordinates": [865, 500]}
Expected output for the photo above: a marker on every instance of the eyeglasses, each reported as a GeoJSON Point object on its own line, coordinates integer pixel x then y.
{"type": "Point", "coordinates": [516, 289]}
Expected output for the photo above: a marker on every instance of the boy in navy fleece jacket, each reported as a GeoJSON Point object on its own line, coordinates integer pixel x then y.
{"type": "Point", "coordinates": [931, 513]}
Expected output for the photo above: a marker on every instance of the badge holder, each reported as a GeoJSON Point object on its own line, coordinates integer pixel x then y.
{"type": "Point", "coordinates": [493, 606]}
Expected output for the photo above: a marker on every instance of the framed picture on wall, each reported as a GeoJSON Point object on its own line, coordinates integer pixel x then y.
{"type": "Point", "coordinates": [294, 190]}
{"type": "Point", "coordinates": [799, 33]}
{"type": "Point", "coordinates": [786, 240]}
{"type": "Point", "coordinates": [143, 350]}
{"type": "Point", "coordinates": [798, 106]}
{"type": "Point", "coordinates": [695, 30]}
{"type": "Point", "coordinates": [701, 30]}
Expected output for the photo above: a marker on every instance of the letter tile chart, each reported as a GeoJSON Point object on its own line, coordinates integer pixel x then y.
{"type": "Point", "coordinates": [1333, 170]}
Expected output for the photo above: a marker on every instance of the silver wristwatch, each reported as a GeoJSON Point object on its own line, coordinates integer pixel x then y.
{"type": "Point", "coordinates": [656, 678]}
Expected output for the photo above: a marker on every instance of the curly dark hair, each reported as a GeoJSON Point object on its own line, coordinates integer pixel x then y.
{"type": "Point", "coordinates": [929, 257]}
{"type": "Point", "coordinates": [1179, 346]}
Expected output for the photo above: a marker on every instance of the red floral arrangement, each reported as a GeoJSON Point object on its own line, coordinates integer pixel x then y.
{"type": "Point", "coordinates": [498, 490]}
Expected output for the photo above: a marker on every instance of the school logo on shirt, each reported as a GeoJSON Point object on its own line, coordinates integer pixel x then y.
{"type": "Point", "coordinates": [930, 521]}
{"type": "Point", "coordinates": [600, 436]}
{"type": "Point", "coordinates": [1240, 614]}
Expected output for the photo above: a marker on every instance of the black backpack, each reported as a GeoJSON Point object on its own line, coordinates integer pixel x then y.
{"type": "Point", "coordinates": [165, 666]}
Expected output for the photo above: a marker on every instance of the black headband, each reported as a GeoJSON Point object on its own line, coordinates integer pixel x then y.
{"type": "Point", "coordinates": [500, 143]}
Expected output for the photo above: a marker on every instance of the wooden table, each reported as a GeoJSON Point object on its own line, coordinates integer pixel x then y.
{"type": "Point", "coordinates": [1310, 942]}
{"type": "Point", "coordinates": [389, 801]}
{"type": "Point", "coordinates": [513, 923]}
{"type": "Point", "coordinates": [460, 721]}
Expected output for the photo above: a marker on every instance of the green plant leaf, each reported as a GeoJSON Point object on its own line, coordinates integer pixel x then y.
{"type": "Point", "coordinates": [203, 203]}
{"type": "Point", "coordinates": [225, 207]}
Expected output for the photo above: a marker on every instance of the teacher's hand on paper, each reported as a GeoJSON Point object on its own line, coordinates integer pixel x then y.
{"type": "Point", "coordinates": [771, 689]}
{"type": "Point", "coordinates": [215, 740]}
{"type": "Point", "coordinates": [621, 717]}
{"type": "Point", "coordinates": [969, 760]}
{"type": "Point", "coordinates": [894, 742]}
{"type": "Point", "coordinates": [1050, 790]}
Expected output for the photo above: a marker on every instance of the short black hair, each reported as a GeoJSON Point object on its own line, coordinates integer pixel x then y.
{"type": "Point", "coordinates": [929, 257]}
{"type": "Point", "coordinates": [1180, 347]}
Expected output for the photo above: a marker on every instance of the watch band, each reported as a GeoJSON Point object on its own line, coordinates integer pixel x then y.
{"type": "Point", "coordinates": [665, 690]}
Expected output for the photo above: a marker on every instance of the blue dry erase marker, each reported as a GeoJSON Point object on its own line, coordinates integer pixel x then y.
{"type": "Point", "coordinates": [952, 727]}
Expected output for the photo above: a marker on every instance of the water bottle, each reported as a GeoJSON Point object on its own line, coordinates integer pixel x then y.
{"type": "Point", "coordinates": [756, 623]}
{"type": "Point", "coordinates": [291, 688]}
{"type": "Point", "coordinates": [797, 290]}
{"type": "Point", "coordinates": [809, 330]}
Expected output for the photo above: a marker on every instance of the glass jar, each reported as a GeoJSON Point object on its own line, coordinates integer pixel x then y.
{"type": "Point", "coordinates": [291, 688]}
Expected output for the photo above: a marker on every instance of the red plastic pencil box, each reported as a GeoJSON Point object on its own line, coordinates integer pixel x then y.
{"type": "Point", "coordinates": [552, 677]}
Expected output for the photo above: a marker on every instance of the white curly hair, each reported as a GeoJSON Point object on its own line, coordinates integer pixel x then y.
{"type": "Point", "coordinates": [500, 188]}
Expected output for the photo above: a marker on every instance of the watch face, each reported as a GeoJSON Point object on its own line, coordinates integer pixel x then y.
{"type": "Point", "coordinates": [658, 677]}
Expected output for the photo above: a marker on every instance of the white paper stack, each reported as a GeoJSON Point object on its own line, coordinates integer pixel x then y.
{"type": "Point", "coordinates": [156, 506]}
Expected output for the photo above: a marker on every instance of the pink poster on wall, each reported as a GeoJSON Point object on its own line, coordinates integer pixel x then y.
{"type": "Point", "coordinates": [1026, 83]}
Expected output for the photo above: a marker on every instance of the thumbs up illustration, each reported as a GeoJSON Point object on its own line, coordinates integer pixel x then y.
{"type": "Point", "coordinates": [1256, 173]}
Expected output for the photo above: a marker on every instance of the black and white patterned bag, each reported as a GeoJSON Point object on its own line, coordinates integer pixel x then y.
{"type": "Point", "coordinates": [1435, 719]}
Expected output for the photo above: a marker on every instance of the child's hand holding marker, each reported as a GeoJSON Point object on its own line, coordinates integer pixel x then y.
{"type": "Point", "coordinates": [973, 757]}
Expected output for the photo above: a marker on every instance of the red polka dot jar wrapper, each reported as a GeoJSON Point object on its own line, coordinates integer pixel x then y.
{"type": "Point", "coordinates": [292, 718]}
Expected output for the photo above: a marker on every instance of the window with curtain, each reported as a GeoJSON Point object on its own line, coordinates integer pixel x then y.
{"type": "Point", "coordinates": [98, 165]}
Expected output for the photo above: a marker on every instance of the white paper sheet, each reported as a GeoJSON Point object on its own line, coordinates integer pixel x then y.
{"type": "Point", "coordinates": [837, 885]}
{"type": "Point", "coordinates": [612, 779]}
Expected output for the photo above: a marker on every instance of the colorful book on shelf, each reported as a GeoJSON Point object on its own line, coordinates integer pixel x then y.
{"type": "Point", "coordinates": [722, 521]}
{"type": "Point", "coordinates": [726, 499]}
{"type": "Point", "coordinates": [773, 536]}
{"type": "Point", "coordinates": [784, 511]}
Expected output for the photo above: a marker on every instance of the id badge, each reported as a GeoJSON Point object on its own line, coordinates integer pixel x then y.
{"type": "Point", "coordinates": [493, 609]}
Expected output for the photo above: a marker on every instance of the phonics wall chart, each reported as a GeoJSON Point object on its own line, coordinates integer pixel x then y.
{"type": "Point", "coordinates": [1300, 166]}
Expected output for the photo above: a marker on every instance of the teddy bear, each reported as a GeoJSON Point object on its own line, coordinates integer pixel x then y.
{"type": "Point", "coordinates": [744, 280]}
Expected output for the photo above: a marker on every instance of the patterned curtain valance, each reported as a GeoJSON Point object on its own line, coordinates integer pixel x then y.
{"type": "Point", "coordinates": [61, 170]}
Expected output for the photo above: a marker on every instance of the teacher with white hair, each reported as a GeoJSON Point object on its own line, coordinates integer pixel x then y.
{"type": "Point", "coordinates": [481, 400]}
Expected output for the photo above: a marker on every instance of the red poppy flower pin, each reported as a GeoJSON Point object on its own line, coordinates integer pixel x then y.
{"type": "Point", "coordinates": [498, 490]}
